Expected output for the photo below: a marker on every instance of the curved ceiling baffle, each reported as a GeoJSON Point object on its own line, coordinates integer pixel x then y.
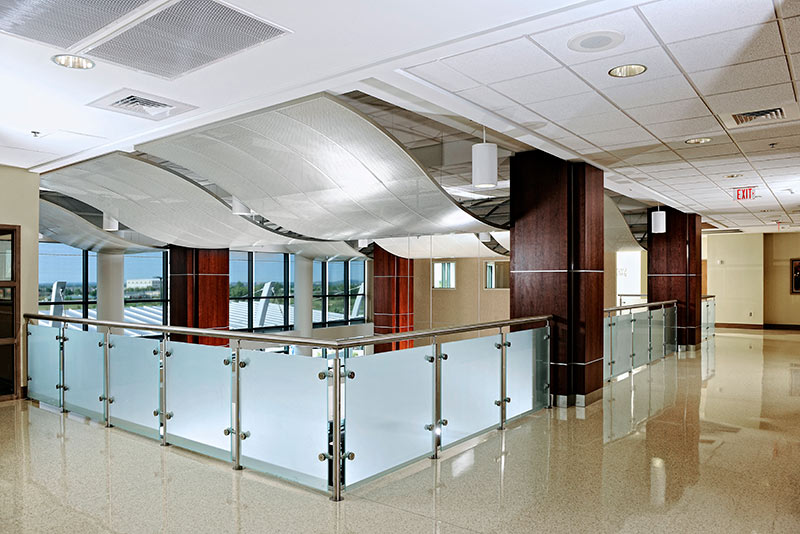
{"type": "Point", "coordinates": [62, 225]}
{"type": "Point", "coordinates": [617, 234]}
{"type": "Point", "coordinates": [159, 204]}
{"type": "Point", "coordinates": [437, 246]}
{"type": "Point", "coordinates": [319, 168]}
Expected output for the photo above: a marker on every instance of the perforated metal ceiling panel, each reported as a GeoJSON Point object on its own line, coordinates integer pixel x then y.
{"type": "Point", "coordinates": [437, 246]}
{"type": "Point", "coordinates": [159, 204]}
{"type": "Point", "coordinates": [62, 225]}
{"type": "Point", "coordinates": [61, 22]}
{"type": "Point", "coordinates": [319, 168]}
{"type": "Point", "coordinates": [185, 37]}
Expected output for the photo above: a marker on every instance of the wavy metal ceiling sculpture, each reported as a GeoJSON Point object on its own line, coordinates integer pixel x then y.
{"type": "Point", "coordinates": [437, 246]}
{"type": "Point", "coordinates": [62, 225]}
{"type": "Point", "coordinates": [319, 168]}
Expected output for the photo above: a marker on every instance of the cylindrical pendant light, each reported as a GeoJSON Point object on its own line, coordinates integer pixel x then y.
{"type": "Point", "coordinates": [658, 223]}
{"type": "Point", "coordinates": [484, 164]}
{"type": "Point", "coordinates": [110, 224]}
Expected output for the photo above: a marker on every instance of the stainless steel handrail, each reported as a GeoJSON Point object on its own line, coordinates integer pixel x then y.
{"type": "Point", "coordinates": [647, 305]}
{"type": "Point", "coordinates": [291, 340]}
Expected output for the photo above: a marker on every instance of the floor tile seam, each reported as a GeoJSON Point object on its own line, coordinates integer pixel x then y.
{"type": "Point", "coordinates": [417, 514]}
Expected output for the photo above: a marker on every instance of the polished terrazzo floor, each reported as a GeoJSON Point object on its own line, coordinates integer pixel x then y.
{"type": "Point", "coordinates": [707, 442]}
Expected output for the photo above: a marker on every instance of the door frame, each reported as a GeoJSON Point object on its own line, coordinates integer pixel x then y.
{"type": "Point", "coordinates": [16, 272]}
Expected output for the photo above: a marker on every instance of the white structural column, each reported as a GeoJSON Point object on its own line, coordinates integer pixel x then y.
{"type": "Point", "coordinates": [110, 287]}
{"type": "Point", "coordinates": [303, 299]}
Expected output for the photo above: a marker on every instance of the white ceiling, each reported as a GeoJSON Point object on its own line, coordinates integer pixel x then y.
{"type": "Point", "coordinates": [506, 66]}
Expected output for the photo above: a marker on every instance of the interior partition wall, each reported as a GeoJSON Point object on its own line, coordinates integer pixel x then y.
{"type": "Point", "coordinates": [10, 274]}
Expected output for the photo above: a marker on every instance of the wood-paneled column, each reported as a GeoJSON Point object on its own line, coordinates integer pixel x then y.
{"type": "Point", "coordinates": [557, 265]}
{"type": "Point", "coordinates": [393, 302]}
{"type": "Point", "coordinates": [674, 270]}
{"type": "Point", "coordinates": [198, 291]}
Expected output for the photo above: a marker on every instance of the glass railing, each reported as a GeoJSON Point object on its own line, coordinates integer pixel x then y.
{"type": "Point", "coordinates": [637, 335]}
{"type": "Point", "coordinates": [326, 422]}
{"type": "Point", "coordinates": [709, 306]}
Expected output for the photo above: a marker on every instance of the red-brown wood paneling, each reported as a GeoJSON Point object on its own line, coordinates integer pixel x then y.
{"type": "Point", "coordinates": [199, 289]}
{"type": "Point", "coordinates": [393, 304]}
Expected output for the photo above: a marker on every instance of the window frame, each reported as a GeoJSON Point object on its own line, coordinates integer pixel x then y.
{"type": "Point", "coordinates": [251, 299]}
{"type": "Point", "coordinates": [348, 296]}
{"type": "Point", "coordinates": [433, 273]}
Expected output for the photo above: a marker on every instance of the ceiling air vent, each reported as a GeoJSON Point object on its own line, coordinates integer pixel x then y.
{"type": "Point", "coordinates": [141, 105]}
{"type": "Point", "coordinates": [761, 115]}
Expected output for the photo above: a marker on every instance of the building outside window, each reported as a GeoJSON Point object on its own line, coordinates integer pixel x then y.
{"type": "Point", "coordinates": [497, 274]}
{"type": "Point", "coordinates": [261, 291]}
{"type": "Point", "coordinates": [145, 288]}
{"type": "Point", "coordinates": [339, 292]}
{"type": "Point", "coordinates": [444, 275]}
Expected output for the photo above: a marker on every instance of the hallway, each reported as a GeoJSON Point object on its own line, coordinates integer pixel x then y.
{"type": "Point", "coordinates": [708, 442]}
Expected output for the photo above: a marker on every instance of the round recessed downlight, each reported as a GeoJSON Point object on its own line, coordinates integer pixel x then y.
{"type": "Point", "coordinates": [73, 62]}
{"type": "Point", "coordinates": [595, 41]}
{"type": "Point", "coordinates": [627, 71]}
{"type": "Point", "coordinates": [698, 141]}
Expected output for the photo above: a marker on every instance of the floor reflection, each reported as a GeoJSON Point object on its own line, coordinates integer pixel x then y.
{"type": "Point", "coordinates": [707, 440]}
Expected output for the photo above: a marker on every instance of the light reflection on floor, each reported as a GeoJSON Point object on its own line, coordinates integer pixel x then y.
{"type": "Point", "coordinates": [707, 441]}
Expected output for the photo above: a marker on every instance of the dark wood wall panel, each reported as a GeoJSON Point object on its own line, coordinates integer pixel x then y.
{"type": "Point", "coordinates": [393, 303]}
{"type": "Point", "coordinates": [674, 270]}
{"type": "Point", "coordinates": [557, 262]}
{"type": "Point", "coordinates": [199, 289]}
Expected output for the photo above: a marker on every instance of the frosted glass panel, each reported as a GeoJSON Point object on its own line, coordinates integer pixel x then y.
{"type": "Point", "coordinates": [712, 317]}
{"type": "Point", "coordinates": [134, 384]}
{"type": "Point", "coordinates": [607, 348]}
{"type": "Point", "coordinates": [704, 318]}
{"type": "Point", "coordinates": [641, 338]}
{"type": "Point", "coordinates": [389, 402]}
{"type": "Point", "coordinates": [656, 334]}
{"type": "Point", "coordinates": [622, 345]}
{"type": "Point", "coordinates": [199, 397]}
{"type": "Point", "coordinates": [83, 373]}
{"type": "Point", "coordinates": [470, 385]}
{"type": "Point", "coordinates": [520, 373]}
{"type": "Point", "coordinates": [671, 318]}
{"type": "Point", "coordinates": [285, 409]}
{"type": "Point", "coordinates": [43, 356]}
{"type": "Point", "coordinates": [541, 343]}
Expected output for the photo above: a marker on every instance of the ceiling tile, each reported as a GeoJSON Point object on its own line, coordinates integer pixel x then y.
{"type": "Point", "coordinates": [652, 92]}
{"type": "Point", "coordinates": [440, 74]}
{"type": "Point", "coordinates": [730, 160]}
{"type": "Point", "coordinates": [779, 129]}
{"type": "Point", "coordinates": [542, 86]}
{"type": "Point", "coordinates": [622, 136]}
{"type": "Point", "coordinates": [658, 63]}
{"type": "Point", "coordinates": [520, 115]}
{"type": "Point", "coordinates": [552, 131]}
{"type": "Point", "coordinates": [627, 22]}
{"type": "Point", "coordinates": [675, 20]}
{"type": "Point", "coordinates": [578, 144]}
{"type": "Point", "coordinates": [486, 97]}
{"type": "Point", "coordinates": [792, 29]}
{"type": "Point", "coordinates": [752, 99]}
{"type": "Point", "coordinates": [702, 151]}
{"type": "Point", "coordinates": [612, 120]}
{"type": "Point", "coordinates": [743, 76]}
{"type": "Point", "coordinates": [686, 128]}
{"type": "Point", "coordinates": [736, 46]}
{"type": "Point", "coordinates": [502, 61]}
{"type": "Point", "coordinates": [763, 145]}
{"type": "Point", "coordinates": [670, 111]}
{"type": "Point", "coordinates": [572, 106]}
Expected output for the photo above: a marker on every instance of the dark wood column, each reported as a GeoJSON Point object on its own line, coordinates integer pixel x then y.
{"type": "Point", "coordinates": [557, 264]}
{"type": "Point", "coordinates": [198, 291]}
{"type": "Point", "coordinates": [393, 303]}
{"type": "Point", "coordinates": [674, 270]}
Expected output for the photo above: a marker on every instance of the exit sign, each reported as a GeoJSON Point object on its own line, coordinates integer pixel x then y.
{"type": "Point", "coordinates": [745, 193]}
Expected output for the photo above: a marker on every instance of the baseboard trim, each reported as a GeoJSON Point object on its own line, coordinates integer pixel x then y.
{"type": "Point", "coordinates": [782, 327]}
{"type": "Point", "coordinates": [590, 398]}
{"type": "Point", "coordinates": [742, 325]}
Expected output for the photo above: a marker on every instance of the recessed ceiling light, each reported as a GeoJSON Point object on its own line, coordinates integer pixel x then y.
{"type": "Point", "coordinates": [731, 175]}
{"type": "Point", "coordinates": [73, 62]}
{"type": "Point", "coordinates": [627, 71]}
{"type": "Point", "coordinates": [698, 140]}
{"type": "Point", "coordinates": [596, 41]}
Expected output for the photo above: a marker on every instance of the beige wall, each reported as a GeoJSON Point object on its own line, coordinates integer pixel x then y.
{"type": "Point", "coordinates": [19, 205]}
{"type": "Point", "coordinates": [736, 277]}
{"type": "Point", "coordinates": [610, 279]}
{"type": "Point", "coordinates": [780, 306]}
{"type": "Point", "coordinates": [468, 303]}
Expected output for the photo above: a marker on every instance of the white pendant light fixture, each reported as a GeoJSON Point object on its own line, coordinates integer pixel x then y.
{"type": "Point", "coordinates": [238, 208]}
{"type": "Point", "coordinates": [484, 164]}
{"type": "Point", "coordinates": [658, 223]}
{"type": "Point", "coordinates": [110, 224]}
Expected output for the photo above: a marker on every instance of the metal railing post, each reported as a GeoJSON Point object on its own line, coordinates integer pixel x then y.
{"type": "Point", "coordinates": [163, 415]}
{"type": "Point", "coordinates": [610, 345]}
{"type": "Point", "coordinates": [504, 399]}
{"type": "Point", "coordinates": [633, 340]}
{"type": "Point", "coordinates": [549, 352]}
{"type": "Point", "coordinates": [237, 421]}
{"type": "Point", "coordinates": [437, 398]}
{"type": "Point", "coordinates": [62, 338]}
{"type": "Point", "coordinates": [336, 370]}
{"type": "Point", "coordinates": [663, 332]}
{"type": "Point", "coordinates": [107, 378]}
{"type": "Point", "coordinates": [649, 335]}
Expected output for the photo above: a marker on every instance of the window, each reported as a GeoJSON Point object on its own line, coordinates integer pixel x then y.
{"type": "Point", "coordinates": [261, 285]}
{"type": "Point", "coordinates": [444, 275]}
{"type": "Point", "coordinates": [338, 293]}
{"type": "Point", "coordinates": [497, 274]}
{"type": "Point", "coordinates": [68, 284]}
